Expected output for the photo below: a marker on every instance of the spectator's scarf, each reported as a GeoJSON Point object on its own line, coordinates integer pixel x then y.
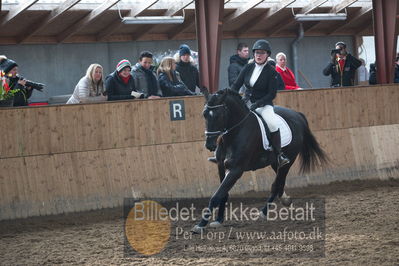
{"type": "Point", "coordinates": [125, 80]}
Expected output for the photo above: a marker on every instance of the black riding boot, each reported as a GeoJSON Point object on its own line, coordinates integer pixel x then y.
{"type": "Point", "coordinates": [276, 144]}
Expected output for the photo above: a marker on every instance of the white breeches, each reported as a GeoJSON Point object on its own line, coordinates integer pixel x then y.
{"type": "Point", "coordinates": [267, 112]}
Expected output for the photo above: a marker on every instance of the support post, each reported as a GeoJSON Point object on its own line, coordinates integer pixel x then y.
{"type": "Point", "coordinates": [208, 23]}
{"type": "Point", "coordinates": [384, 20]}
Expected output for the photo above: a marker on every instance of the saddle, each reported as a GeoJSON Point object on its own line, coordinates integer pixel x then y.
{"type": "Point", "coordinates": [285, 132]}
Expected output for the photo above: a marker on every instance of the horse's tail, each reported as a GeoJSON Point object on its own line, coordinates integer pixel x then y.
{"type": "Point", "coordinates": [311, 150]}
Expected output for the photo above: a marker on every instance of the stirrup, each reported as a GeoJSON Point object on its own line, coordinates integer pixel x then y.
{"type": "Point", "coordinates": [212, 159]}
{"type": "Point", "coordinates": [282, 160]}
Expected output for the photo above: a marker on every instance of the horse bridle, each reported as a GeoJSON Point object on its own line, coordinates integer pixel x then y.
{"type": "Point", "coordinates": [226, 131]}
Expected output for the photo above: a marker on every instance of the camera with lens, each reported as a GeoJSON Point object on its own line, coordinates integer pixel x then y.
{"type": "Point", "coordinates": [33, 85]}
{"type": "Point", "coordinates": [335, 51]}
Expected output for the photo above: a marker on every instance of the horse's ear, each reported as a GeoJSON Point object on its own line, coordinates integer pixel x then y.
{"type": "Point", "coordinates": [205, 91]}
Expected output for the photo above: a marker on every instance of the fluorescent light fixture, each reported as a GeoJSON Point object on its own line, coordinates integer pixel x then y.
{"type": "Point", "coordinates": [153, 20]}
{"type": "Point", "coordinates": [320, 16]}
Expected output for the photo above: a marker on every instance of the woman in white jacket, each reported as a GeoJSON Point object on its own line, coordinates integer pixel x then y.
{"type": "Point", "coordinates": [90, 88]}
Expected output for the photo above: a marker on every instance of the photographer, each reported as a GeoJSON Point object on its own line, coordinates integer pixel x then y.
{"type": "Point", "coordinates": [342, 67]}
{"type": "Point", "coordinates": [15, 81]}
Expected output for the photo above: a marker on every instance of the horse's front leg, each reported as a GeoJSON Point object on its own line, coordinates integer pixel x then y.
{"type": "Point", "coordinates": [221, 194]}
{"type": "Point", "coordinates": [222, 204]}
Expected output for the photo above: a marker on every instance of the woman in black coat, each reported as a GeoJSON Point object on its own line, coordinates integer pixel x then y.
{"type": "Point", "coordinates": [169, 80]}
{"type": "Point", "coordinates": [262, 82]}
{"type": "Point", "coordinates": [120, 83]}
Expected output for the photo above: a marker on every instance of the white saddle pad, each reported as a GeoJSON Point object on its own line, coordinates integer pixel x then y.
{"type": "Point", "coordinates": [285, 132]}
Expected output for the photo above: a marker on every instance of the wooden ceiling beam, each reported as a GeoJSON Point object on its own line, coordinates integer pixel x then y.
{"type": "Point", "coordinates": [181, 28]}
{"type": "Point", "coordinates": [242, 10]}
{"type": "Point", "coordinates": [172, 11]}
{"type": "Point", "coordinates": [304, 10]}
{"type": "Point", "coordinates": [17, 10]}
{"type": "Point", "coordinates": [338, 8]}
{"type": "Point", "coordinates": [273, 11]}
{"type": "Point", "coordinates": [363, 11]}
{"type": "Point", "coordinates": [55, 13]}
{"type": "Point", "coordinates": [135, 11]}
{"type": "Point", "coordinates": [94, 14]}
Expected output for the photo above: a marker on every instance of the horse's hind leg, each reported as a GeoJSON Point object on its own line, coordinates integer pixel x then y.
{"type": "Point", "coordinates": [222, 204]}
{"type": "Point", "coordinates": [280, 183]}
{"type": "Point", "coordinates": [277, 189]}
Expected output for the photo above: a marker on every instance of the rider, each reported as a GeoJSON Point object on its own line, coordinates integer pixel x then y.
{"type": "Point", "coordinates": [261, 81]}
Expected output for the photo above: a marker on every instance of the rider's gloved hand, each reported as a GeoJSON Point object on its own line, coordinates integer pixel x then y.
{"type": "Point", "coordinates": [253, 106]}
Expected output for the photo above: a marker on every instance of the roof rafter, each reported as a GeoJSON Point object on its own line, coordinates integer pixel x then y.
{"type": "Point", "coordinates": [55, 13]}
{"type": "Point", "coordinates": [177, 30]}
{"type": "Point", "coordinates": [273, 11]}
{"type": "Point", "coordinates": [242, 10]}
{"type": "Point", "coordinates": [15, 11]}
{"type": "Point", "coordinates": [95, 13]}
{"type": "Point", "coordinates": [341, 6]}
{"type": "Point", "coordinates": [135, 11]}
{"type": "Point", "coordinates": [363, 11]}
{"type": "Point", "coordinates": [173, 10]}
{"type": "Point", "coordinates": [304, 10]}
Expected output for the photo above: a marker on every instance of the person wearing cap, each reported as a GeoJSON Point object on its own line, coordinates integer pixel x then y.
{"type": "Point", "coordinates": [262, 82]}
{"type": "Point", "coordinates": [10, 68]}
{"type": "Point", "coordinates": [120, 84]}
{"type": "Point", "coordinates": [188, 72]}
{"type": "Point", "coordinates": [342, 67]}
{"type": "Point", "coordinates": [145, 79]}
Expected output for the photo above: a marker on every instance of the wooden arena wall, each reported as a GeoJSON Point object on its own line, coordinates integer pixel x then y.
{"type": "Point", "coordinates": [68, 158]}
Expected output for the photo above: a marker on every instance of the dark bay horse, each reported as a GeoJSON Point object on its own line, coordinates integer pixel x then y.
{"type": "Point", "coordinates": [233, 131]}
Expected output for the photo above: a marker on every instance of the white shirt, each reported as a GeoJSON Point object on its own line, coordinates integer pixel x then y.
{"type": "Point", "coordinates": [256, 73]}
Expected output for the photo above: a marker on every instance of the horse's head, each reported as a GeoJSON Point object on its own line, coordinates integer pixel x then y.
{"type": "Point", "coordinates": [216, 116]}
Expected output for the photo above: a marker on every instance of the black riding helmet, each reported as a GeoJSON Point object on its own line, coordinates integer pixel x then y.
{"type": "Point", "coordinates": [262, 45]}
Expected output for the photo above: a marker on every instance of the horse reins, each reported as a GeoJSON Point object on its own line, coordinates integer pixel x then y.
{"type": "Point", "coordinates": [227, 131]}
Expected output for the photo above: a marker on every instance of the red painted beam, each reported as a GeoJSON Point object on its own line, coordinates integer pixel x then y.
{"type": "Point", "coordinates": [209, 22]}
{"type": "Point", "coordinates": [384, 20]}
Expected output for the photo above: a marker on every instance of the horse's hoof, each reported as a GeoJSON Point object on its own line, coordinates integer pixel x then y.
{"type": "Point", "coordinates": [215, 224]}
{"type": "Point", "coordinates": [197, 229]}
{"type": "Point", "coordinates": [285, 200]}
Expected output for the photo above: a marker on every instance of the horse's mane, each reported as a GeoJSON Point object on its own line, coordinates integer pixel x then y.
{"type": "Point", "coordinates": [228, 95]}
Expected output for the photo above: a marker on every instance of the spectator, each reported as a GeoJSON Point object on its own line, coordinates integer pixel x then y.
{"type": "Point", "coordinates": [120, 84]}
{"type": "Point", "coordinates": [373, 74]}
{"type": "Point", "coordinates": [362, 73]}
{"type": "Point", "coordinates": [169, 79]}
{"type": "Point", "coordinates": [90, 88]}
{"type": "Point", "coordinates": [285, 73]}
{"type": "Point", "coordinates": [396, 79]}
{"type": "Point", "coordinates": [261, 81]}
{"type": "Point", "coordinates": [145, 80]}
{"type": "Point", "coordinates": [237, 62]}
{"type": "Point", "coordinates": [2, 61]}
{"type": "Point", "coordinates": [10, 68]}
{"type": "Point", "coordinates": [342, 67]}
{"type": "Point", "coordinates": [188, 72]}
